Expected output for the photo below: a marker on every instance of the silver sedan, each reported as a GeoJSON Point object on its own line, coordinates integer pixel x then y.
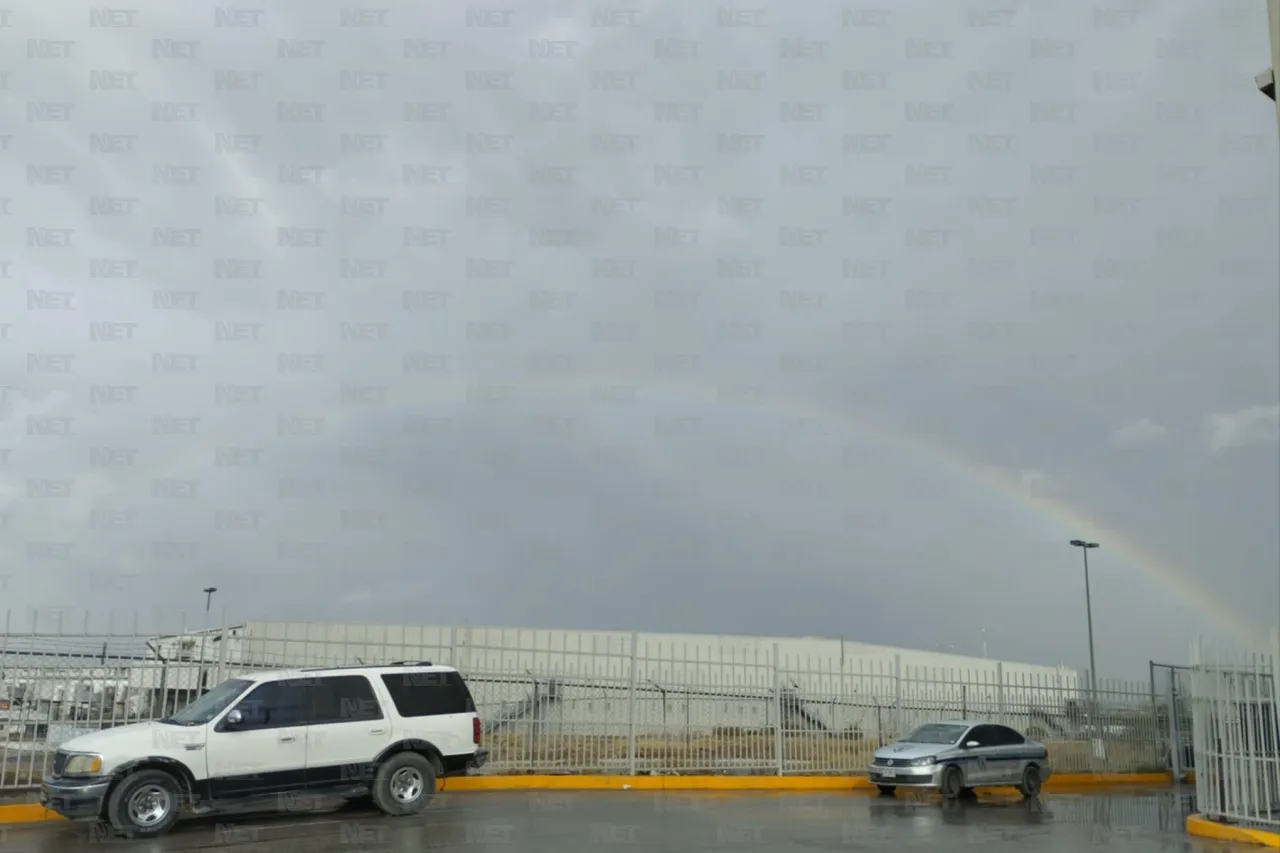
{"type": "Point", "coordinates": [957, 756]}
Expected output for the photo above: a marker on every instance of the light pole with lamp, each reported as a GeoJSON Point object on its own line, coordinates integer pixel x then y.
{"type": "Point", "coordinates": [1088, 609]}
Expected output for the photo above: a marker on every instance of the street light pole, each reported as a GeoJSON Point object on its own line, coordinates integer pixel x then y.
{"type": "Point", "coordinates": [1088, 609]}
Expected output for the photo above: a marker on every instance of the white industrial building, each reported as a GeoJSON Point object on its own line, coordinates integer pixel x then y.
{"type": "Point", "coordinates": [581, 682]}
{"type": "Point", "coordinates": [588, 681]}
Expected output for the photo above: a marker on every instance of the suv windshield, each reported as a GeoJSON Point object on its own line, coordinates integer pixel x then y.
{"type": "Point", "coordinates": [936, 734]}
{"type": "Point", "coordinates": [210, 704]}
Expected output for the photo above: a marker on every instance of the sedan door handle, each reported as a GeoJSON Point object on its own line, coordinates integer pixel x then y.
{"type": "Point", "coordinates": [288, 738]}
{"type": "Point", "coordinates": [377, 731]}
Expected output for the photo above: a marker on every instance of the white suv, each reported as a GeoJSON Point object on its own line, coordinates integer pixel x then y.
{"type": "Point", "coordinates": [384, 732]}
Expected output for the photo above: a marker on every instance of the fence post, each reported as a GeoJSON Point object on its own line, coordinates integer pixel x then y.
{"type": "Point", "coordinates": [777, 708]}
{"type": "Point", "coordinates": [631, 708]}
{"type": "Point", "coordinates": [223, 641]}
{"type": "Point", "coordinates": [1175, 732]}
{"type": "Point", "coordinates": [453, 647]}
{"type": "Point", "coordinates": [897, 696]}
{"type": "Point", "coordinates": [1000, 715]}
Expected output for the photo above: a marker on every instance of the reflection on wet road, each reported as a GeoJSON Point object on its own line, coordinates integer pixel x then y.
{"type": "Point", "coordinates": [522, 822]}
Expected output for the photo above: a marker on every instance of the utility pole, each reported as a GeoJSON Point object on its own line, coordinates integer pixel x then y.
{"type": "Point", "coordinates": [1095, 722]}
{"type": "Point", "coordinates": [1267, 79]}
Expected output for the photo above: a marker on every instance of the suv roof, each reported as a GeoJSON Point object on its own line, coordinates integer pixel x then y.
{"type": "Point", "coordinates": [280, 674]}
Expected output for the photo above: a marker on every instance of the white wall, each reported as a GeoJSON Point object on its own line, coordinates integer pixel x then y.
{"type": "Point", "coordinates": [608, 652]}
{"type": "Point", "coordinates": [714, 680]}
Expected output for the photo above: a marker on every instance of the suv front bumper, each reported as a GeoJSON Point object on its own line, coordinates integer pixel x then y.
{"type": "Point", "coordinates": [74, 798]}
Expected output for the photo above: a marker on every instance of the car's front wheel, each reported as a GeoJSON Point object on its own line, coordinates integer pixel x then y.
{"type": "Point", "coordinates": [404, 784]}
{"type": "Point", "coordinates": [145, 804]}
{"type": "Point", "coordinates": [1031, 782]}
{"type": "Point", "coordinates": [952, 783]}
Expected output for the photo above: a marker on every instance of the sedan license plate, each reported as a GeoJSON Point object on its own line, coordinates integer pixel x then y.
{"type": "Point", "coordinates": [888, 774]}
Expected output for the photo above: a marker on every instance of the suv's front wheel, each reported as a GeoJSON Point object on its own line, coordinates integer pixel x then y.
{"type": "Point", "coordinates": [404, 784]}
{"type": "Point", "coordinates": [145, 804]}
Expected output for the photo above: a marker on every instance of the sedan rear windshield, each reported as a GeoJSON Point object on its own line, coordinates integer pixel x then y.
{"type": "Point", "coordinates": [936, 733]}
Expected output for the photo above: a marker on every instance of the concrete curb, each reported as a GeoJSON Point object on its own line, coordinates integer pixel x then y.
{"type": "Point", "coordinates": [1066, 783]}
{"type": "Point", "coordinates": [1202, 827]}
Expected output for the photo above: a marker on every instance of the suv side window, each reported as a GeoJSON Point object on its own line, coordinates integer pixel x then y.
{"type": "Point", "coordinates": [428, 694]}
{"type": "Point", "coordinates": [342, 699]}
{"type": "Point", "coordinates": [274, 704]}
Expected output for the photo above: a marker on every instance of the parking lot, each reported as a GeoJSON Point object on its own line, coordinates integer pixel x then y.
{"type": "Point", "coordinates": [516, 822]}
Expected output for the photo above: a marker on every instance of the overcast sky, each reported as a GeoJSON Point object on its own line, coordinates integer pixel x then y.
{"type": "Point", "coordinates": [795, 319]}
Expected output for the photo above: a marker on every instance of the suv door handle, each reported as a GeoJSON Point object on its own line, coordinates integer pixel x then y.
{"type": "Point", "coordinates": [377, 731]}
{"type": "Point", "coordinates": [288, 738]}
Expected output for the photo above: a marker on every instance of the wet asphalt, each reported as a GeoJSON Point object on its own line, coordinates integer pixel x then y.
{"type": "Point", "coordinates": [524, 822]}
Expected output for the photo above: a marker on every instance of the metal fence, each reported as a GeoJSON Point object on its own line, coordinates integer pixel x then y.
{"type": "Point", "coordinates": [632, 708]}
{"type": "Point", "coordinates": [1234, 706]}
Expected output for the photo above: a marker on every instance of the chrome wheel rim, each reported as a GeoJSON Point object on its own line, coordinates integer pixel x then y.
{"type": "Point", "coordinates": [149, 805]}
{"type": "Point", "coordinates": [406, 785]}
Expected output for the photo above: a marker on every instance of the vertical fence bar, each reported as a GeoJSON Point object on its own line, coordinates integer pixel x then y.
{"type": "Point", "coordinates": [224, 640]}
{"type": "Point", "coordinates": [777, 710]}
{"type": "Point", "coordinates": [633, 674]}
{"type": "Point", "coordinates": [1000, 694]}
{"type": "Point", "coordinates": [897, 695]}
{"type": "Point", "coordinates": [4, 744]}
{"type": "Point", "coordinates": [1175, 733]}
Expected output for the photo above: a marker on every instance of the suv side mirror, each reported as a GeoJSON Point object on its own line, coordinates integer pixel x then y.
{"type": "Point", "coordinates": [234, 718]}
{"type": "Point", "coordinates": [972, 744]}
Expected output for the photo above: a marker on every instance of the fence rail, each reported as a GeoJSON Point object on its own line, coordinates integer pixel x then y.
{"type": "Point", "coordinates": [629, 708]}
{"type": "Point", "coordinates": [1235, 725]}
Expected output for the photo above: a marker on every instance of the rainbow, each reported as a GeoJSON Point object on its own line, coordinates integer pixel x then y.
{"type": "Point", "coordinates": [1071, 521]}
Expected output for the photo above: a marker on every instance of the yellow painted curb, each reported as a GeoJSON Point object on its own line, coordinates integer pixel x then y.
{"type": "Point", "coordinates": [1093, 781]}
{"type": "Point", "coordinates": [1201, 827]}
{"type": "Point", "coordinates": [1064, 783]}
{"type": "Point", "coordinates": [26, 813]}
{"type": "Point", "coordinates": [658, 783]}
{"type": "Point", "coordinates": [1061, 783]}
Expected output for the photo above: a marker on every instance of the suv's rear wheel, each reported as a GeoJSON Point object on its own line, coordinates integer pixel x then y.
{"type": "Point", "coordinates": [404, 784]}
{"type": "Point", "coordinates": [145, 804]}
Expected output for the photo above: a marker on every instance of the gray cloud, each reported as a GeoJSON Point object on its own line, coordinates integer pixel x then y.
{"type": "Point", "coordinates": [1143, 431]}
{"type": "Point", "coordinates": [689, 324]}
{"type": "Point", "coordinates": [1251, 425]}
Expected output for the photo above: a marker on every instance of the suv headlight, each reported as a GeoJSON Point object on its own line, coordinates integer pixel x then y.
{"type": "Point", "coordinates": [925, 762]}
{"type": "Point", "coordinates": [83, 765]}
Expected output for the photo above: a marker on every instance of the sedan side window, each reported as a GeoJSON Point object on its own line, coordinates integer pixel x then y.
{"type": "Point", "coordinates": [274, 705]}
{"type": "Point", "coordinates": [1008, 737]}
{"type": "Point", "coordinates": [982, 734]}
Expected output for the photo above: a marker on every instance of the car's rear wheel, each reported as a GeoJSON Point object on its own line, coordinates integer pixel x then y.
{"type": "Point", "coordinates": [145, 804]}
{"type": "Point", "coordinates": [887, 790]}
{"type": "Point", "coordinates": [952, 783]}
{"type": "Point", "coordinates": [404, 784]}
{"type": "Point", "coordinates": [1031, 782]}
